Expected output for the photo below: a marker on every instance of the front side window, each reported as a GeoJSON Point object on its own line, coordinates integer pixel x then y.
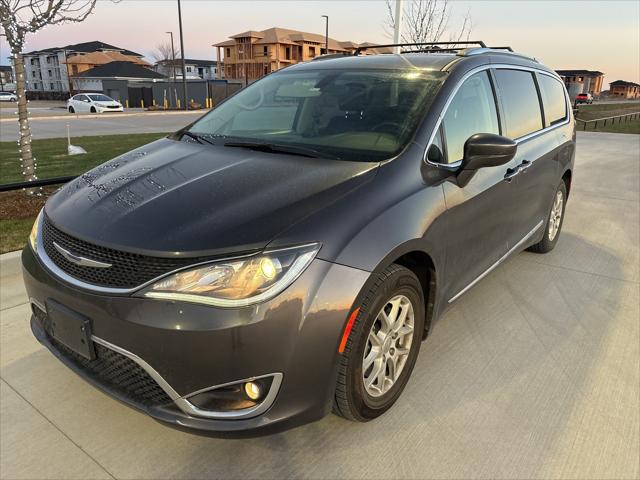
{"type": "Point", "coordinates": [472, 110]}
{"type": "Point", "coordinates": [520, 101]}
{"type": "Point", "coordinates": [98, 97]}
{"type": "Point", "coordinates": [366, 115]}
{"type": "Point", "coordinates": [553, 99]}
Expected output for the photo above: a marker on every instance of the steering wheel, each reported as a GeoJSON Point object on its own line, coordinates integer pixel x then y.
{"type": "Point", "coordinates": [388, 127]}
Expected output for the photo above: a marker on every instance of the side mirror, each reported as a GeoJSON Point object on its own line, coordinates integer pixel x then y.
{"type": "Point", "coordinates": [484, 150]}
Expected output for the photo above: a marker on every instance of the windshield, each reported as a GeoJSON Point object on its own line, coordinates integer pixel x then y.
{"type": "Point", "coordinates": [366, 115]}
{"type": "Point", "coordinates": [100, 98]}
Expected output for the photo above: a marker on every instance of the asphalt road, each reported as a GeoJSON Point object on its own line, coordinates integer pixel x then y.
{"type": "Point", "coordinates": [103, 124]}
{"type": "Point", "coordinates": [534, 373]}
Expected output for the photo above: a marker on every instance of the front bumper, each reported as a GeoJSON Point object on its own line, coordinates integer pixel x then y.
{"type": "Point", "coordinates": [194, 347]}
{"type": "Point", "coordinates": [107, 110]}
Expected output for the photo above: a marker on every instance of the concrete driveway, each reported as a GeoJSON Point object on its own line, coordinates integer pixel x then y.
{"type": "Point", "coordinates": [534, 373]}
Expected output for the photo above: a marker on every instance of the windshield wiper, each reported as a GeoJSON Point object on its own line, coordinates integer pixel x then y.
{"type": "Point", "coordinates": [276, 148]}
{"type": "Point", "coordinates": [198, 138]}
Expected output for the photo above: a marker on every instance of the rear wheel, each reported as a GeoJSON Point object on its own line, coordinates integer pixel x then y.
{"type": "Point", "coordinates": [382, 347]}
{"type": "Point", "coordinates": [554, 222]}
{"type": "Point", "coordinates": [71, 110]}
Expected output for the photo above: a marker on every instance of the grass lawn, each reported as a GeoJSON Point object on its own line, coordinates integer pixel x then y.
{"type": "Point", "coordinates": [593, 111]}
{"type": "Point", "coordinates": [14, 233]}
{"type": "Point", "coordinates": [53, 161]}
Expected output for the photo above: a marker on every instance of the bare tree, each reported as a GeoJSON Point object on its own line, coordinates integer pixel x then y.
{"type": "Point", "coordinates": [425, 21]}
{"type": "Point", "coordinates": [20, 18]}
{"type": "Point", "coordinates": [163, 52]}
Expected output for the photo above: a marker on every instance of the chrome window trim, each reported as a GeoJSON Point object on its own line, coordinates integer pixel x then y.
{"type": "Point", "coordinates": [182, 400]}
{"type": "Point", "coordinates": [498, 262]}
{"type": "Point", "coordinates": [482, 68]}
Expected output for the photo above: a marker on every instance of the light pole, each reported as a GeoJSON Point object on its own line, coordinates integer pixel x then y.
{"type": "Point", "coordinates": [173, 65]}
{"type": "Point", "coordinates": [184, 68]}
{"type": "Point", "coordinates": [397, 26]}
{"type": "Point", "coordinates": [326, 35]}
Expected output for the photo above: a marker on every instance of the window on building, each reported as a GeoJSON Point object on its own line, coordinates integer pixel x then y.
{"type": "Point", "coordinates": [312, 52]}
{"type": "Point", "coordinates": [189, 69]}
{"type": "Point", "coordinates": [74, 69]}
{"type": "Point", "coordinates": [53, 87]}
{"type": "Point", "coordinates": [228, 54]}
{"type": "Point", "coordinates": [472, 110]}
{"type": "Point", "coordinates": [265, 51]}
{"type": "Point", "coordinates": [520, 101]}
{"type": "Point", "coordinates": [287, 53]}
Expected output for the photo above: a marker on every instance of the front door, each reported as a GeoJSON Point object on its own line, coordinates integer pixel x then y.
{"type": "Point", "coordinates": [480, 215]}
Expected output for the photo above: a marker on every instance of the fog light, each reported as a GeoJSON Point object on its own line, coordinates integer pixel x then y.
{"type": "Point", "coordinates": [253, 390]}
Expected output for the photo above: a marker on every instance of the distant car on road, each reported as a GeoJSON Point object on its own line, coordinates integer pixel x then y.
{"type": "Point", "coordinates": [8, 97]}
{"type": "Point", "coordinates": [584, 98]}
{"type": "Point", "coordinates": [94, 103]}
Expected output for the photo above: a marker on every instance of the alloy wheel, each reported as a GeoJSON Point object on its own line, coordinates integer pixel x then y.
{"type": "Point", "coordinates": [388, 346]}
{"type": "Point", "coordinates": [556, 216]}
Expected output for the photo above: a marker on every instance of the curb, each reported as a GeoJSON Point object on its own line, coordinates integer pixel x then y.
{"type": "Point", "coordinates": [117, 114]}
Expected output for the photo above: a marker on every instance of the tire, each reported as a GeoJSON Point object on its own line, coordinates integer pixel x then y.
{"type": "Point", "coordinates": [550, 239]}
{"type": "Point", "coordinates": [353, 400]}
{"type": "Point", "coordinates": [93, 109]}
{"type": "Point", "coordinates": [71, 110]}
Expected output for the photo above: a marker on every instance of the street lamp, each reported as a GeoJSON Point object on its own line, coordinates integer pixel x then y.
{"type": "Point", "coordinates": [184, 68]}
{"type": "Point", "coordinates": [173, 64]}
{"type": "Point", "coordinates": [326, 34]}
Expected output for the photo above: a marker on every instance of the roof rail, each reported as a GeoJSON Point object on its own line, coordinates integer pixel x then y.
{"type": "Point", "coordinates": [428, 45]}
{"type": "Point", "coordinates": [329, 56]}
{"type": "Point", "coordinates": [469, 52]}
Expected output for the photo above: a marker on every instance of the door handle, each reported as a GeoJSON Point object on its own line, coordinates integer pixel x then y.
{"type": "Point", "coordinates": [524, 165]}
{"type": "Point", "coordinates": [511, 172]}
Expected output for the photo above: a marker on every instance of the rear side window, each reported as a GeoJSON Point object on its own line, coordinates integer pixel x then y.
{"type": "Point", "coordinates": [472, 110]}
{"type": "Point", "coordinates": [520, 101]}
{"type": "Point", "coordinates": [553, 99]}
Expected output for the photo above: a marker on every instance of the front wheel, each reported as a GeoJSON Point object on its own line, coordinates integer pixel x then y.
{"type": "Point", "coordinates": [71, 110]}
{"type": "Point", "coordinates": [382, 347]}
{"type": "Point", "coordinates": [554, 222]}
{"type": "Point", "coordinates": [93, 109]}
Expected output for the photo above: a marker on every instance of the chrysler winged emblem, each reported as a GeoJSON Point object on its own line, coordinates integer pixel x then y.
{"type": "Point", "coordinates": [78, 260]}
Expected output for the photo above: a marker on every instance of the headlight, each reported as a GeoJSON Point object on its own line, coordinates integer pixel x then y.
{"type": "Point", "coordinates": [33, 236]}
{"type": "Point", "coordinates": [236, 282]}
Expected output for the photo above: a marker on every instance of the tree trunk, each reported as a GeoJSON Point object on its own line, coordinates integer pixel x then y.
{"type": "Point", "coordinates": [26, 155]}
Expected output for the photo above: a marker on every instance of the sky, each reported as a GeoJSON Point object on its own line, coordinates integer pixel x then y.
{"type": "Point", "coordinates": [594, 35]}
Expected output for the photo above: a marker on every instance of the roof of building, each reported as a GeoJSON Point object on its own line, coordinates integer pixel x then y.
{"type": "Point", "coordinates": [623, 83]}
{"type": "Point", "coordinates": [190, 61]}
{"type": "Point", "coordinates": [85, 47]}
{"type": "Point", "coordinates": [100, 58]}
{"type": "Point", "coordinates": [290, 37]}
{"type": "Point", "coordinates": [120, 69]}
{"type": "Point", "coordinates": [575, 73]}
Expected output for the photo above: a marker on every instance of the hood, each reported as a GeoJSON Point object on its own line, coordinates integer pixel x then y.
{"type": "Point", "coordinates": [178, 198]}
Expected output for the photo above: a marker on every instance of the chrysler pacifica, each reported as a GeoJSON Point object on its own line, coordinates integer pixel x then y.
{"type": "Point", "coordinates": [285, 255]}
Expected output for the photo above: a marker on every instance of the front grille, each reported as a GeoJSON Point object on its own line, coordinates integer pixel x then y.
{"type": "Point", "coordinates": [128, 270]}
{"type": "Point", "coordinates": [112, 370]}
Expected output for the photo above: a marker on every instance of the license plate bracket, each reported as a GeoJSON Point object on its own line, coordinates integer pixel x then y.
{"type": "Point", "coordinates": [71, 329]}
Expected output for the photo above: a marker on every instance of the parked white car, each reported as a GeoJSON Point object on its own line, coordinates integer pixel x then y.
{"type": "Point", "coordinates": [94, 103]}
{"type": "Point", "coordinates": [8, 97]}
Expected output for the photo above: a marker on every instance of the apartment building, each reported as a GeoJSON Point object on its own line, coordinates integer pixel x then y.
{"type": "Point", "coordinates": [252, 54]}
{"type": "Point", "coordinates": [7, 82]}
{"type": "Point", "coordinates": [623, 89]}
{"type": "Point", "coordinates": [582, 81]}
{"type": "Point", "coordinates": [202, 69]}
{"type": "Point", "coordinates": [48, 70]}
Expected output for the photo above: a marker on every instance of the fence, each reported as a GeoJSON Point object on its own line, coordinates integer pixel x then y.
{"type": "Point", "coordinates": [627, 117]}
